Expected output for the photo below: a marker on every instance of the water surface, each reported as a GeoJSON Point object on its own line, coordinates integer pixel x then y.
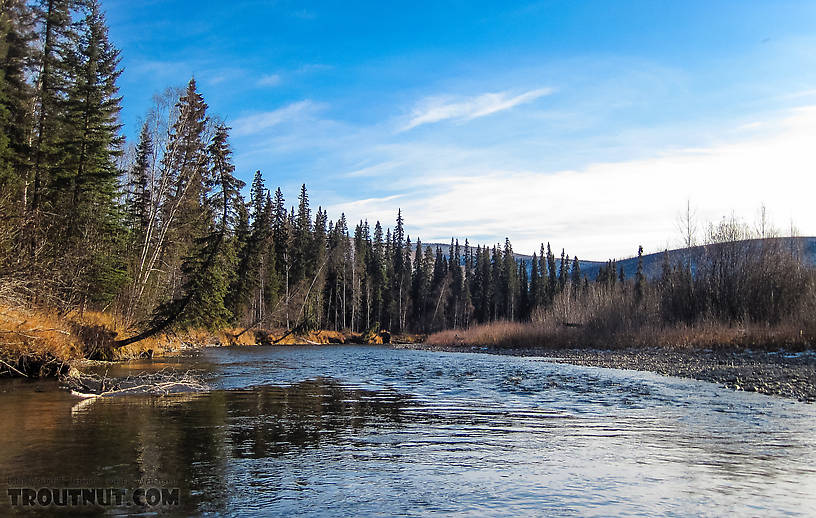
{"type": "Point", "coordinates": [378, 431]}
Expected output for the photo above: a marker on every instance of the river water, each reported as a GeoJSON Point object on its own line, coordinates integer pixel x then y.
{"type": "Point", "coordinates": [378, 431]}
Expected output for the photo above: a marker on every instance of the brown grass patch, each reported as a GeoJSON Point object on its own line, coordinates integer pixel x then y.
{"type": "Point", "coordinates": [705, 335]}
{"type": "Point", "coordinates": [30, 339]}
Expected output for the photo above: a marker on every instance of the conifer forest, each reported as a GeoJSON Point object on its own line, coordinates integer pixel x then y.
{"type": "Point", "coordinates": [162, 233]}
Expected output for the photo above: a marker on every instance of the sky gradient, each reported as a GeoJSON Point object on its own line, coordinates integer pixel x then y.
{"type": "Point", "coordinates": [587, 124]}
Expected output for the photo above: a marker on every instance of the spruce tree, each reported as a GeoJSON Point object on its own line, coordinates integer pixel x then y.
{"type": "Point", "coordinates": [281, 243]}
{"type": "Point", "coordinates": [84, 192]}
{"type": "Point", "coordinates": [252, 243]}
{"type": "Point", "coordinates": [575, 273]}
{"type": "Point", "coordinates": [478, 285]}
{"type": "Point", "coordinates": [388, 319]}
{"type": "Point", "coordinates": [552, 275]}
{"type": "Point", "coordinates": [523, 293]}
{"type": "Point", "coordinates": [206, 269]}
{"type": "Point", "coordinates": [55, 21]}
{"type": "Point", "coordinates": [301, 244]}
{"type": "Point", "coordinates": [639, 279]}
{"type": "Point", "coordinates": [563, 267]}
{"type": "Point", "coordinates": [419, 285]}
{"type": "Point", "coordinates": [140, 184]}
{"type": "Point", "coordinates": [180, 220]}
{"type": "Point", "coordinates": [511, 281]}
{"type": "Point", "coordinates": [497, 284]}
{"type": "Point", "coordinates": [398, 288]}
{"type": "Point", "coordinates": [377, 270]}
{"type": "Point", "coordinates": [16, 37]}
{"type": "Point", "coordinates": [457, 281]}
{"type": "Point", "coordinates": [534, 282]}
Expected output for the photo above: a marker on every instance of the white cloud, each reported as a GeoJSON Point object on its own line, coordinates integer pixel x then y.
{"type": "Point", "coordinates": [374, 170]}
{"type": "Point", "coordinates": [608, 209]}
{"type": "Point", "coordinates": [436, 109]}
{"type": "Point", "coordinates": [269, 80]}
{"type": "Point", "coordinates": [256, 123]}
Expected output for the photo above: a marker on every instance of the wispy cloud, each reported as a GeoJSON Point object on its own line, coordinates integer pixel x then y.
{"type": "Point", "coordinates": [436, 109]}
{"type": "Point", "coordinates": [374, 170]}
{"type": "Point", "coordinates": [258, 122]}
{"type": "Point", "coordinates": [587, 211]}
{"type": "Point", "coordinates": [269, 80]}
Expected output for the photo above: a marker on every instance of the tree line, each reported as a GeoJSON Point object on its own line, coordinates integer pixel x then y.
{"type": "Point", "coordinates": [160, 234]}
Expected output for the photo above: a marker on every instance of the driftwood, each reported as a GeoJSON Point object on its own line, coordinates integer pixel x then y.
{"type": "Point", "coordinates": [162, 382]}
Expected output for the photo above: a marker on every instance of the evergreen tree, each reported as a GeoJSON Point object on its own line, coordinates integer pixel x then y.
{"type": "Point", "coordinates": [270, 280]}
{"type": "Point", "coordinates": [552, 275]}
{"type": "Point", "coordinates": [207, 269]}
{"type": "Point", "coordinates": [419, 286]}
{"type": "Point", "coordinates": [16, 36]}
{"type": "Point", "coordinates": [388, 318]}
{"type": "Point", "coordinates": [184, 171]}
{"type": "Point", "coordinates": [438, 287]}
{"type": "Point", "coordinates": [510, 280]}
{"type": "Point", "coordinates": [575, 273]}
{"type": "Point", "coordinates": [201, 299]}
{"type": "Point", "coordinates": [454, 305]}
{"type": "Point", "coordinates": [478, 286]}
{"type": "Point", "coordinates": [84, 190]}
{"type": "Point", "coordinates": [399, 288]}
{"type": "Point", "coordinates": [281, 243]}
{"type": "Point", "coordinates": [141, 187]}
{"type": "Point", "coordinates": [639, 279]}
{"type": "Point", "coordinates": [563, 267]}
{"type": "Point", "coordinates": [523, 294]}
{"type": "Point", "coordinates": [301, 245]}
{"type": "Point", "coordinates": [378, 270]}
{"type": "Point", "coordinates": [246, 288]}
{"type": "Point", "coordinates": [534, 283]}
{"type": "Point", "coordinates": [497, 284]}
{"type": "Point", "coordinates": [55, 21]}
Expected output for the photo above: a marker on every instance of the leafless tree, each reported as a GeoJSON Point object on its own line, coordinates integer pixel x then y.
{"type": "Point", "coordinates": [687, 225]}
{"type": "Point", "coordinates": [764, 226]}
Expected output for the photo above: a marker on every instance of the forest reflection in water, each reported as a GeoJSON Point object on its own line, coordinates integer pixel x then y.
{"type": "Point", "coordinates": [373, 430]}
{"type": "Point", "coordinates": [182, 440]}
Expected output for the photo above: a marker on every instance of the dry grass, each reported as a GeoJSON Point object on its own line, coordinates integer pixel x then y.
{"type": "Point", "coordinates": [231, 337]}
{"type": "Point", "coordinates": [31, 337]}
{"type": "Point", "coordinates": [706, 335]}
{"type": "Point", "coordinates": [500, 334]}
{"type": "Point", "coordinates": [36, 334]}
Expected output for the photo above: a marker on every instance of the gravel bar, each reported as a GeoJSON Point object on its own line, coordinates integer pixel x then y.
{"type": "Point", "coordinates": [780, 373]}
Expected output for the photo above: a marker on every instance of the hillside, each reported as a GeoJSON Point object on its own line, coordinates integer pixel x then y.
{"type": "Point", "coordinates": [652, 263]}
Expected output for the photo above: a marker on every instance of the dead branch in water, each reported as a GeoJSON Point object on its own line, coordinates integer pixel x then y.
{"type": "Point", "coordinates": [163, 382]}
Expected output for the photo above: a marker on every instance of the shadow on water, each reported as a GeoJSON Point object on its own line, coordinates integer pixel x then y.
{"type": "Point", "coordinates": [182, 440]}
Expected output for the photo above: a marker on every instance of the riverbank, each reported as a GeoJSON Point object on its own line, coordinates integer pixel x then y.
{"type": "Point", "coordinates": [780, 373]}
{"type": "Point", "coordinates": [40, 343]}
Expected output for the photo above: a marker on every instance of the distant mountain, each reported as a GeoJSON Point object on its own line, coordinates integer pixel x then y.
{"type": "Point", "coordinates": [653, 263]}
{"type": "Point", "coordinates": [592, 265]}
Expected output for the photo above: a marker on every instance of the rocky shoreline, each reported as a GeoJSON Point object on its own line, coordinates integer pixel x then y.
{"type": "Point", "coordinates": [786, 374]}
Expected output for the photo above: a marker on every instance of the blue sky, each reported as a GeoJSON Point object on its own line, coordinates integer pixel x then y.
{"type": "Point", "coordinates": [584, 123]}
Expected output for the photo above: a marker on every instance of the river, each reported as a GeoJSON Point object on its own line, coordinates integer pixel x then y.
{"type": "Point", "coordinates": [370, 430]}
